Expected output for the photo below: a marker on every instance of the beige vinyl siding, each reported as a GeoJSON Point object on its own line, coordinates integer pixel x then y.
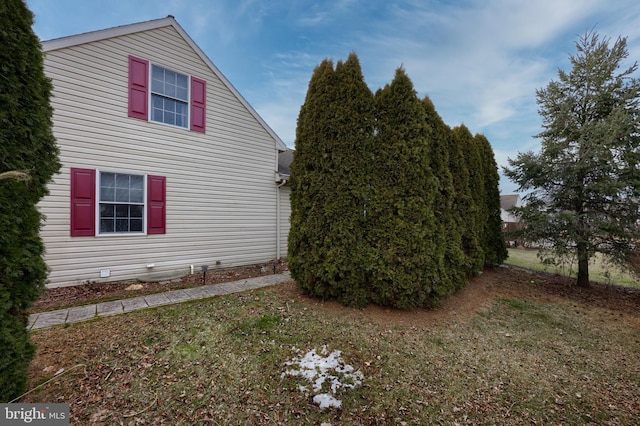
{"type": "Point", "coordinates": [221, 194]}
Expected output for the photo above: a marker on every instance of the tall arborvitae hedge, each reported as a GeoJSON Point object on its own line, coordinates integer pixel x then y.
{"type": "Point", "coordinates": [389, 205]}
{"type": "Point", "coordinates": [354, 124]}
{"type": "Point", "coordinates": [448, 216]}
{"type": "Point", "coordinates": [329, 184]}
{"type": "Point", "coordinates": [26, 144]}
{"type": "Point", "coordinates": [309, 184]}
{"type": "Point", "coordinates": [477, 211]}
{"type": "Point", "coordinates": [407, 264]}
{"type": "Point", "coordinates": [465, 202]}
{"type": "Point", "coordinates": [493, 243]}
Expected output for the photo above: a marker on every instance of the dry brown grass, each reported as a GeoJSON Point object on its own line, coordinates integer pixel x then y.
{"type": "Point", "coordinates": [510, 348]}
{"type": "Point", "coordinates": [599, 270]}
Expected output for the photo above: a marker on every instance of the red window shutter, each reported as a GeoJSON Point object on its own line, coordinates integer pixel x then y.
{"type": "Point", "coordinates": [198, 104]}
{"type": "Point", "coordinates": [138, 88]}
{"type": "Point", "coordinates": [83, 202]}
{"type": "Point", "coordinates": [156, 204]}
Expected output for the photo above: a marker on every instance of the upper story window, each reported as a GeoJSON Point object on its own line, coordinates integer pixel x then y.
{"type": "Point", "coordinates": [165, 96]}
{"type": "Point", "coordinates": [169, 97]}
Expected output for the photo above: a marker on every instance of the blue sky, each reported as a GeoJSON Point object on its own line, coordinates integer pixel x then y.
{"type": "Point", "coordinates": [480, 61]}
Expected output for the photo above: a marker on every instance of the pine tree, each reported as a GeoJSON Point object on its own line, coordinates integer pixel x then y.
{"type": "Point", "coordinates": [446, 214]}
{"type": "Point", "coordinates": [583, 188]}
{"type": "Point", "coordinates": [27, 145]}
{"type": "Point", "coordinates": [493, 243]}
{"type": "Point", "coordinates": [407, 266]}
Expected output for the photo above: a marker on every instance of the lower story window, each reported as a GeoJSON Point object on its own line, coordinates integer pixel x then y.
{"type": "Point", "coordinates": [104, 203]}
{"type": "Point", "coordinates": [122, 203]}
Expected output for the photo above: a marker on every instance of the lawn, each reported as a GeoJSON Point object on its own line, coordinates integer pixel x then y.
{"type": "Point", "coordinates": [598, 270]}
{"type": "Point", "coordinates": [504, 350]}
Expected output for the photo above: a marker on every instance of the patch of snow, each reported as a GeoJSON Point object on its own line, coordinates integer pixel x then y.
{"type": "Point", "coordinates": [325, 400]}
{"type": "Point", "coordinates": [324, 368]}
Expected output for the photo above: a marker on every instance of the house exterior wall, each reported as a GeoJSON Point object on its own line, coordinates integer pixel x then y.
{"type": "Point", "coordinates": [220, 190]}
{"type": "Point", "coordinates": [513, 201]}
{"type": "Point", "coordinates": [507, 217]}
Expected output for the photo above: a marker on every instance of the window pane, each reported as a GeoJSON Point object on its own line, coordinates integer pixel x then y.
{"type": "Point", "coordinates": [122, 195]}
{"type": "Point", "coordinates": [122, 225]}
{"type": "Point", "coordinates": [122, 210]}
{"type": "Point", "coordinates": [181, 114]}
{"type": "Point", "coordinates": [136, 196]}
{"type": "Point", "coordinates": [136, 225]}
{"type": "Point", "coordinates": [107, 194]}
{"type": "Point", "coordinates": [107, 179]}
{"type": "Point", "coordinates": [156, 86]}
{"type": "Point", "coordinates": [181, 109]}
{"type": "Point", "coordinates": [122, 181]}
{"type": "Point", "coordinates": [157, 102]}
{"type": "Point", "coordinates": [156, 108]}
{"type": "Point", "coordinates": [180, 121]}
{"type": "Point", "coordinates": [169, 105]}
{"type": "Point", "coordinates": [157, 73]}
{"type": "Point", "coordinates": [107, 210]}
{"type": "Point", "coordinates": [136, 182]}
{"type": "Point", "coordinates": [183, 94]}
{"type": "Point", "coordinates": [107, 183]}
{"type": "Point", "coordinates": [157, 115]}
{"type": "Point", "coordinates": [169, 78]}
{"type": "Point", "coordinates": [106, 225]}
{"type": "Point", "coordinates": [166, 89]}
{"type": "Point", "coordinates": [136, 211]}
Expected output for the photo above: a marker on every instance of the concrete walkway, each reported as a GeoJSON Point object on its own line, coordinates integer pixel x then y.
{"type": "Point", "coordinates": [87, 312]}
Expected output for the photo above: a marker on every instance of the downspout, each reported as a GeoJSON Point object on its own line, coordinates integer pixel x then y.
{"type": "Point", "coordinates": [282, 182]}
{"type": "Point", "coordinates": [277, 167]}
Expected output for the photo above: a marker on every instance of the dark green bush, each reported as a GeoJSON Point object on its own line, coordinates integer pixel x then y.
{"type": "Point", "coordinates": [388, 204]}
{"type": "Point", "coordinates": [406, 265]}
{"type": "Point", "coordinates": [447, 216]}
{"type": "Point", "coordinates": [16, 351]}
{"type": "Point", "coordinates": [329, 183]}
{"type": "Point", "coordinates": [464, 165]}
{"type": "Point", "coordinates": [493, 242]}
{"type": "Point", "coordinates": [26, 144]}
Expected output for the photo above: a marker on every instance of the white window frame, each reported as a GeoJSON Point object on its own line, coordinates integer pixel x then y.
{"type": "Point", "coordinates": [164, 96]}
{"type": "Point", "coordinates": [99, 202]}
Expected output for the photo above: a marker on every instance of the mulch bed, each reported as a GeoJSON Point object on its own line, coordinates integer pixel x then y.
{"type": "Point", "coordinates": [618, 298]}
{"type": "Point", "coordinates": [62, 297]}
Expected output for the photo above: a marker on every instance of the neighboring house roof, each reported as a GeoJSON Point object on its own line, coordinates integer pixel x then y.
{"type": "Point", "coordinates": [92, 36]}
{"type": "Point", "coordinates": [508, 201]}
{"type": "Point", "coordinates": [284, 162]}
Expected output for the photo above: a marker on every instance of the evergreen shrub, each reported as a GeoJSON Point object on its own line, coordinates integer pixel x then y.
{"type": "Point", "coordinates": [26, 145]}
